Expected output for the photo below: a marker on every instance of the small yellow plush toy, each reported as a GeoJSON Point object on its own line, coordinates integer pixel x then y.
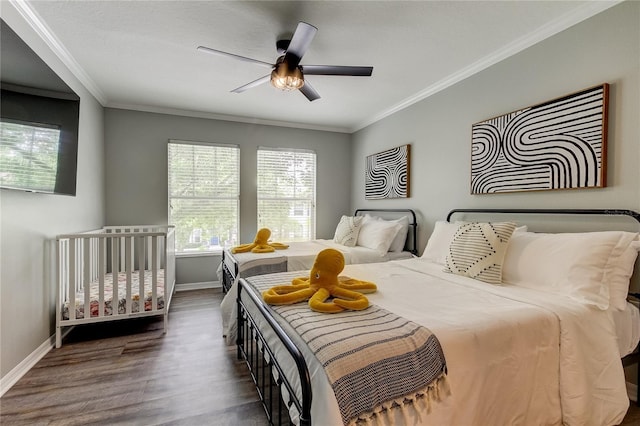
{"type": "Point", "coordinates": [260, 244]}
{"type": "Point", "coordinates": [322, 283]}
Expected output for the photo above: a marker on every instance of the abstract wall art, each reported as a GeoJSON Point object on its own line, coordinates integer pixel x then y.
{"type": "Point", "coordinates": [387, 174]}
{"type": "Point", "coordinates": [560, 144]}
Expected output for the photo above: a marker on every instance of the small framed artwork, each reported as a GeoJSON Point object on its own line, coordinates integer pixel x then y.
{"type": "Point", "coordinates": [559, 144]}
{"type": "Point", "coordinates": [387, 174]}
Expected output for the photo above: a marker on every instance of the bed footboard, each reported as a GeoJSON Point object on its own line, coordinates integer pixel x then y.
{"type": "Point", "coordinates": [274, 389]}
{"type": "Point", "coordinates": [114, 273]}
{"type": "Point", "coordinates": [228, 276]}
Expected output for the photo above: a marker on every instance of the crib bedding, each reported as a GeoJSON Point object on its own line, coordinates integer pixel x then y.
{"type": "Point", "coordinates": [94, 295]}
{"type": "Point", "coordinates": [514, 355]}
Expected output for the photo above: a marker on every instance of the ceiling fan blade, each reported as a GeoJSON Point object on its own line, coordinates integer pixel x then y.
{"type": "Point", "coordinates": [232, 55]}
{"type": "Point", "coordinates": [299, 44]}
{"type": "Point", "coordinates": [253, 84]}
{"type": "Point", "coordinates": [309, 91]}
{"type": "Point", "coordinates": [336, 70]}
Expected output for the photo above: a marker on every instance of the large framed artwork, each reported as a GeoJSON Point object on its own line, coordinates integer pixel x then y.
{"type": "Point", "coordinates": [387, 174]}
{"type": "Point", "coordinates": [559, 144]}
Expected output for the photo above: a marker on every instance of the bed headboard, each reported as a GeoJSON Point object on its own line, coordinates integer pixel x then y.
{"type": "Point", "coordinates": [566, 220]}
{"type": "Point", "coordinates": [412, 237]}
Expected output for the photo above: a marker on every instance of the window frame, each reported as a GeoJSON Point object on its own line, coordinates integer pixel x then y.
{"type": "Point", "coordinates": [236, 197]}
{"type": "Point", "coordinates": [311, 202]}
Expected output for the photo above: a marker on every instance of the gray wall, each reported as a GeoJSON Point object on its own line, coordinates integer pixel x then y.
{"type": "Point", "coordinates": [28, 221]}
{"type": "Point", "coordinates": [603, 49]}
{"type": "Point", "coordinates": [136, 172]}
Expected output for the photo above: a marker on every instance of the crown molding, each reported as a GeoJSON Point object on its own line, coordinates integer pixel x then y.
{"type": "Point", "coordinates": [223, 117]}
{"type": "Point", "coordinates": [568, 20]}
{"type": "Point", "coordinates": [40, 27]}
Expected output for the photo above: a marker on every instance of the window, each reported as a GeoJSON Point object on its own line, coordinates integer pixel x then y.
{"type": "Point", "coordinates": [287, 193]}
{"type": "Point", "coordinates": [204, 189]}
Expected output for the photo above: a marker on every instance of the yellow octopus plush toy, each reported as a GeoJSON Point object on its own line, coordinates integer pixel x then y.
{"type": "Point", "coordinates": [260, 244]}
{"type": "Point", "coordinates": [323, 283]}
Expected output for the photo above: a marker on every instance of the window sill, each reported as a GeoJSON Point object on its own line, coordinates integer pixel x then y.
{"type": "Point", "coordinates": [199, 254]}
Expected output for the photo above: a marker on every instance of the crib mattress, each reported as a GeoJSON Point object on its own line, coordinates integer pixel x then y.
{"type": "Point", "coordinates": [121, 294]}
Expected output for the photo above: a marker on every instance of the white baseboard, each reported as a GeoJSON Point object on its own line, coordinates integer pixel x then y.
{"type": "Point", "coordinates": [198, 286]}
{"type": "Point", "coordinates": [27, 364]}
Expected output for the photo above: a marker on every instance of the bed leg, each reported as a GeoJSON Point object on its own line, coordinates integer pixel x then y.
{"type": "Point", "coordinates": [166, 323]}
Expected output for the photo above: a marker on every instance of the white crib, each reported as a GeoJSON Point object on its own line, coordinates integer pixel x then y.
{"type": "Point", "coordinates": [114, 273]}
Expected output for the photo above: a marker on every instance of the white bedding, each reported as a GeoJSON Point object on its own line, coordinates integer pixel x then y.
{"type": "Point", "coordinates": [514, 355]}
{"type": "Point", "coordinates": [301, 255]}
{"type": "Point", "coordinates": [627, 325]}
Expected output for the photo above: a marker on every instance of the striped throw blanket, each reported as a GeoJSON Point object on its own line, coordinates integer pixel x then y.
{"type": "Point", "coordinates": [377, 362]}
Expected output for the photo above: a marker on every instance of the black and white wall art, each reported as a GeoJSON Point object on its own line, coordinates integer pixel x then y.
{"type": "Point", "coordinates": [387, 174]}
{"type": "Point", "coordinates": [560, 144]}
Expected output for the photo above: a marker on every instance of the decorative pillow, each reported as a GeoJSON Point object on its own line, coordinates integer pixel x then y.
{"type": "Point", "coordinates": [477, 250]}
{"type": "Point", "coordinates": [580, 265]}
{"type": "Point", "coordinates": [377, 234]}
{"type": "Point", "coordinates": [347, 230]}
{"type": "Point", "coordinates": [438, 244]}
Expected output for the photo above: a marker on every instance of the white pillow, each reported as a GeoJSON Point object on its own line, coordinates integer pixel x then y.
{"type": "Point", "coordinates": [577, 265]}
{"type": "Point", "coordinates": [477, 250]}
{"type": "Point", "coordinates": [377, 234]}
{"type": "Point", "coordinates": [619, 275]}
{"type": "Point", "coordinates": [348, 230]}
{"type": "Point", "coordinates": [439, 241]}
{"type": "Point", "coordinates": [401, 237]}
{"type": "Point", "coordinates": [438, 244]}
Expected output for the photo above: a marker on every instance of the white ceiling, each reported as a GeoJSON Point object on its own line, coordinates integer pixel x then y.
{"type": "Point", "coordinates": [142, 54]}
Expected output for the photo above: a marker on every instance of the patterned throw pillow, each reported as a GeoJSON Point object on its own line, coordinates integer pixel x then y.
{"type": "Point", "coordinates": [347, 230]}
{"type": "Point", "coordinates": [477, 250]}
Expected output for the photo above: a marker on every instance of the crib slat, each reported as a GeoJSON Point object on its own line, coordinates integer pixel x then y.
{"type": "Point", "coordinates": [115, 272]}
{"type": "Point", "coordinates": [141, 271]}
{"type": "Point", "coordinates": [102, 266]}
{"type": "Point", "coordinates": [154, 273]}
{"type": "Point", "coordinates": [127, 255]}
{"type": "Point", "coordinates": [71, 296]}
{"type": "Point", "coordinates": [86, 275]}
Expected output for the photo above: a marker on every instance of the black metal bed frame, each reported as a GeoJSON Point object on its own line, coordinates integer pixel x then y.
{"type": "Point", "coordinates": [228, 276]}
{"type": "Point", "coordinates": [261, 362]}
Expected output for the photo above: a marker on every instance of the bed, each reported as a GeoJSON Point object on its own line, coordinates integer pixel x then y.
{"type": "Point", "coordinates": [300, 255]}
{"type": "Point", "coordinates": [524, 352]}
{"type": "Point", "coordinates": [114, 273]}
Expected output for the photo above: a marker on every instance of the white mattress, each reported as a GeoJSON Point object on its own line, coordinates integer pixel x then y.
{"type": "Point", "coordinates": [514, 355]}
{"type": "Point", "coordinates": [627, 324]}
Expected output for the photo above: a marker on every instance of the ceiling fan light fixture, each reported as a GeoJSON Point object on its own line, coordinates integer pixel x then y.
{"type": "Point", "coordinates": [287, 79]}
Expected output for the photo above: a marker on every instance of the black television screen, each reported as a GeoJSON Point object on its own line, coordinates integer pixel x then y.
{"type": "Point", "coordinates": [38, 142]}
{"type": "Point", "coordinates": [39, 118]}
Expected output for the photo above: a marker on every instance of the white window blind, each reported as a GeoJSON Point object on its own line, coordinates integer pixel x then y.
{"type": "Point", "coordinates": [204, 190]}
{"type": "Point", "coordinates": [28, 155]}
{"type": "Point", "coordinates": [287, 193]}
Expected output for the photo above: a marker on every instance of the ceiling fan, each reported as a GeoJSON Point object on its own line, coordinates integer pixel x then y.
{"type": "Point", "coordinates": [287, 73]}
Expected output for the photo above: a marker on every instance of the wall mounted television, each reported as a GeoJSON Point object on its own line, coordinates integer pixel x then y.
{"type": "Point", "coordinates": [39, 119]}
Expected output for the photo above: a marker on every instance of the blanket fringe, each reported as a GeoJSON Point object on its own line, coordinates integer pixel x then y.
{"type": "Point", "coordinates": [411, 405]}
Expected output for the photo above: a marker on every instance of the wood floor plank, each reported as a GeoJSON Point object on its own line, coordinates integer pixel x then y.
{"type": "Point", "coordinates": [130, 373]}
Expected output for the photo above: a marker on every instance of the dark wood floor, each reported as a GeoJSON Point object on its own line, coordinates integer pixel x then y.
{"type": "Point", "coordinates": [129, 373]}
